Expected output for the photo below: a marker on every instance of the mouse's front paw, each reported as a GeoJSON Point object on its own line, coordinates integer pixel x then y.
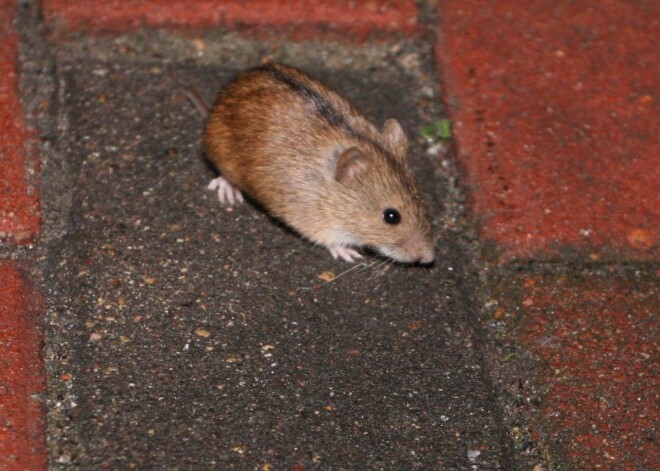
{"type": "Point", "coordinates": [345, 253]}
{"type": "Point", "coordinates": [226, 191]}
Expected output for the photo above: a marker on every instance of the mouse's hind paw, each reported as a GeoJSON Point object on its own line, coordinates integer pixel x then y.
{"type": "Point", "coordinates": [345, 253]}
{"type": "Point", "coordinates": [226, 191]}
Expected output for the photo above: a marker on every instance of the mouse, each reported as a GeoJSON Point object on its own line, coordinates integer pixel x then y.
{"type": "Point", "coordinates": [313, 161]}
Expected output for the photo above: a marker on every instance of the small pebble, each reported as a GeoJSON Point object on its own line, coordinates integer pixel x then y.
{"type": "Point", "coordinates": [327, 276]}
{"type": "Point", "coordinates": [473, 455]}
{"type": "Point", "coordinates": [203, 333]}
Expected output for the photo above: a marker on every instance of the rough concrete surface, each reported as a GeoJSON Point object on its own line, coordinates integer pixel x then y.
{"type": "Point", "coordinates": [183, 335]}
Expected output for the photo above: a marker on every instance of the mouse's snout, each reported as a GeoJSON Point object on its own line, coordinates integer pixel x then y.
{"type": "Point", "coordinates": [424, 253]}
{"type": "Point", "coordinates": [427, 257]}
{"type": "Point", "coordinates": [414, 250]}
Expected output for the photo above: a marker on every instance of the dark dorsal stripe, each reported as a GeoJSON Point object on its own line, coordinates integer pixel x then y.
{"type": "Point", "coordinates": [323, 108]}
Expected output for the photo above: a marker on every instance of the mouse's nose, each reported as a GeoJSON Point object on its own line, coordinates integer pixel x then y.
{"type": "Point", "coordinates": [427, 257]}
{"type": "Point", "coordinates": [416, 249]}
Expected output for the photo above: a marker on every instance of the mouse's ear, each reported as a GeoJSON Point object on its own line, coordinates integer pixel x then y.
{"type": "Point", "coordinates": [396, 138]}
{"type": "Point", "coordinates": [350, 164]}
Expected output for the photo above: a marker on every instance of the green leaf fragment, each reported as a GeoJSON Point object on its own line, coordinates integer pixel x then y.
{"type": "Point", "coordinates": [444, 128]}
{"type": "Point", "coordinates": [441, 129]}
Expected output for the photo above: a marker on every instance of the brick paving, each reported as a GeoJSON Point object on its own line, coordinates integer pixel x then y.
{"type": "Point", "coordinates": [19, 201]}
{"type": "Point", "coordinates": [592, 394]}
{"type": "Point", "coordinates": [555, 109]}
{"type": "Point", "coordinates": [22, 379]}
{"type": "Point", "coordinates": [299, 18]}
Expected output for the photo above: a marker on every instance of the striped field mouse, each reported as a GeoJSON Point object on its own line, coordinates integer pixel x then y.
{"type": "Point", "coordinates": [315, 162]}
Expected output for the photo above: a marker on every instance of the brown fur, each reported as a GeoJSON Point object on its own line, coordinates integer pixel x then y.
{"type": "Point", "coordinates": [279, 135]}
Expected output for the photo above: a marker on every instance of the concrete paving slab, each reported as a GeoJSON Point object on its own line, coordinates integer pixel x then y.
{"type": "Point", "coordinates": [185, 335]}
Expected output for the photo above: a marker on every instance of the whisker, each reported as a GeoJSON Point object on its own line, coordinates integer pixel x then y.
{"type": "Point", "coordinates": [360, 267]}
{"type": "Point", "coordinates": [385, 262]}
{"type": "Point", "coordinates": [363, 266]}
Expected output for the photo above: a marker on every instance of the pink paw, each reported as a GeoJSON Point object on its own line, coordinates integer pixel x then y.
{"type": "Point", "coordinates": [345, 253]}
{"type": "Point", "coordinates": [226, 191]}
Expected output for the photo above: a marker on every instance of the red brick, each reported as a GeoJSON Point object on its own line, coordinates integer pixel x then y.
{"type": "Point", "coordinates": [19, 200]}
{"type": "Point", "coordinates": [357, 17]}
{"type": "Point", "coordinates": [555, 112]}
{"type": "Point", "coordinates": [597, 337]}
{"type": "Point", "coordinates": [22, 378]}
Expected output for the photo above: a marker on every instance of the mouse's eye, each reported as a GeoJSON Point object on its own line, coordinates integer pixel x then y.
{"type": "Point", "coordinates": [391, 216]}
